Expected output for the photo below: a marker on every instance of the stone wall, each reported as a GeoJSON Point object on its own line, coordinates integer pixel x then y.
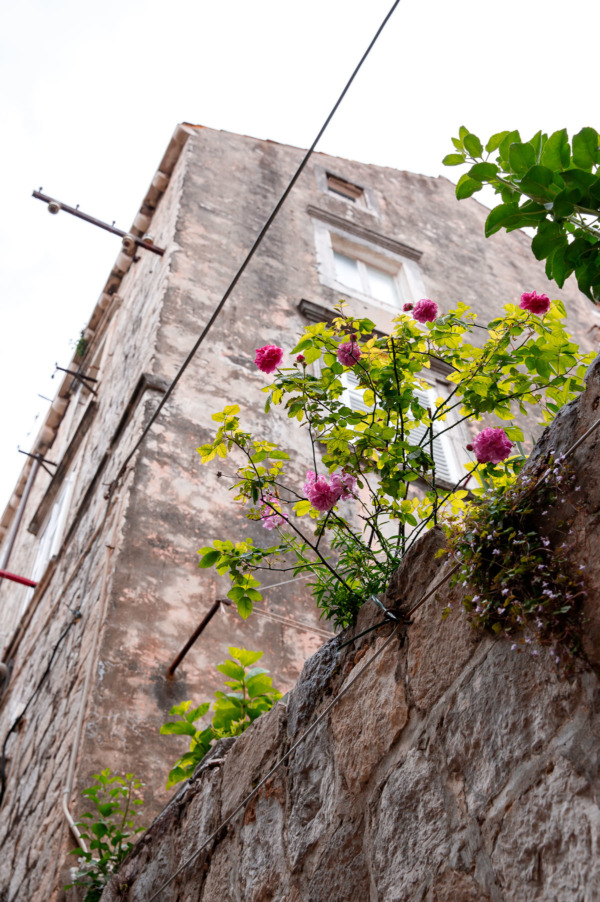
{"type": "Point", "coordinates": [455, 770]}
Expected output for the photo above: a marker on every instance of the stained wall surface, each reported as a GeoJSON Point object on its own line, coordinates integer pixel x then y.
{"type": "Point", "coordinates": [455, 768]}
{"type": "Point", "coordinates": [124, 579]}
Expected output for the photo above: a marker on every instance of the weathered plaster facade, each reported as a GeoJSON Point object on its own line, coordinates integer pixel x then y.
{"type": "Point", "coordinates": [454, 770]}
{"type": "Point", "coordinates": [129, 568]}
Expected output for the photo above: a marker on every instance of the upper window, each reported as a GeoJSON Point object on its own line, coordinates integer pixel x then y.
{"type": "Point", "coordinates": [374, 269]}
{"type": "Point", "coordinates": [347, 190]}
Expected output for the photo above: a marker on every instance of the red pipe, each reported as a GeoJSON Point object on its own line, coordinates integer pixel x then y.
{"type": "Point", "coordinates": [4, 574]}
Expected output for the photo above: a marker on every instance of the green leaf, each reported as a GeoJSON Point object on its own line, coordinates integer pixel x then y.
{"type": "Point", "coordinates": [245, 656]}
{"type": "Point", "coordinates": [453, 159]}
{"type": "Point", "coordinates": [231, 669]}
{"type": "Point", "coordinates": [278, 455]}
{"type": "Point", "coordinates": [536, 182]}
{"type": "Point", "coordinates": [483, 172]}
{"type": "Point", "coordinates": [504, 146]}
{"type": "Point", "coordinates": [179, 728]}
{"type": "Point", "coordinates": [473, 145]}
{"type": "Point", "coordinates": [236, 593]}
{"type": "Point", "coordinates": [521, 157]}
{"type": "Point", "coordinates": [495, 141]}
{"type": "Point", "coordinates": [312, 354]}
{"type": "Point", "coordinates": [585, 148]}
{"type": "Point", "coordinates": [499, 216]}
{"type": "Point", "coordinates": [556, 153]}
{"type": "Point", "coordinates": [301, 508]}
{"type": "Point", "coordinates": [258, 685]}
{"type": "Point", "coordinates": [210, 559]}
{"type": "Point", "coordinates": [197, 713]}
{"type": "Point", "coordinates": [244, 606]}
{"type": "Point", "coordinates": [466, 187]}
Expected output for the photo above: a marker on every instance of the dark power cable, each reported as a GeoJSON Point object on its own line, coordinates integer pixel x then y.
{"type": "Point", "coordinates": [257, 242]}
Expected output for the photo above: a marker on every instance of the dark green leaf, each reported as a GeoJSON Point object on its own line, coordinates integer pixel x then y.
{"type": "Point", "coordinates": [585, 148]}
{"type": "Point", "coordinates": [536, 183]}
{"type": "Point", "coordinates": [466, 187]}
{"type": "Point", "coordinates": [483, 172]}
{"type": "Point", "coordinates": [210, 559]}
{"type": "Point", "coordinates": [473, 145]}
{"type": "Point", "coordinates": [521, 157]}
{"type": "Point", "coordinates": [556, 153]}
{"type": "Point", "coordinates": [504, 146]}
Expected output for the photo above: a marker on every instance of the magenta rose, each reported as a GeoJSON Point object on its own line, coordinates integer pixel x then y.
{"type": "Point", "coordinates": [425, 311]}
{"type": "Point", "coordinates": [492, 445]}
{"type": "Point", "coordinates": [323, 495]}
{"type": "Point", "coordinates": [348, 353]}
{"type": "Point", "coordinates": [535, 303]}
{"type": "Point", "coordinates": [408, 307]}
{"type": "Point", "coordinates": [268, 358]}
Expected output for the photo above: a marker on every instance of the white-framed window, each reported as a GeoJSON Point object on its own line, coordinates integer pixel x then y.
{"type": "Point", "coordinates": [361, 269]}
{"type": "Point", "coordinates": [354, 273]}
{"type": "Point", "coordinates": [51, 538]}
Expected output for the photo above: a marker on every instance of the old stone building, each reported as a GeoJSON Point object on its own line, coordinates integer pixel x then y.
{"type": "Point", "coordinates": [86, 652]}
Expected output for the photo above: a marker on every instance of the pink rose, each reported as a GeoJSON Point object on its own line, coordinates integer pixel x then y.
{"type": "Point", "coordinates": [492, 445]}
{"type": "Point", "coordinates": [271, 518]}
{"type": "Point", "coordinates": [268, 358]}
{"type": "Point", "coordinates": [323, 495]}
{"type": "Point", "coordinates": [425, 311]}
{"type": "Point", "coordinates": [300, 358]}
{"type": "Point", "coordinates": [408, 307]}
{"type": "Point", "coordinates": [348, 353]}
{"type": "Point", "coordinates": [535, 303]}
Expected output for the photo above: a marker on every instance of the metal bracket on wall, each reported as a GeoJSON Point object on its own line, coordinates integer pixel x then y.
{"type": "Point", "coordinates": [55, 206]}
{"type": "Point", "coordinates": [79, 376]}
{"type": "Point", "coordinates": [41, 460]}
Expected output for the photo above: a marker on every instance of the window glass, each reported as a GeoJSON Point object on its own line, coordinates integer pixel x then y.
{"type": "Point", "coordinates": [382, 286]}
{"type": "Point", "coordinates": [346, 271]}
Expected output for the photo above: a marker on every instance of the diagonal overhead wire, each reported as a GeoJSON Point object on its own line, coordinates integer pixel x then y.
{"type": "Point", "coordinates": [257, 242]}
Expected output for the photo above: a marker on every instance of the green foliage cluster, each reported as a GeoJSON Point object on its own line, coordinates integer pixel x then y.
{"type": "Point", "coordinates": [545, 183]}
{"type": "Point", "coordinates": [107, 830]}
{"type": "Point", "coordinates": [250, 694]}
{"type": "Point", "coordinates": [520, 583]}
{"type": "Point", "coordinates": [520, 362]}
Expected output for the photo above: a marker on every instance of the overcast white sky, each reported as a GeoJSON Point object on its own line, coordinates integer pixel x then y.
{"type": "Point", "coordinates": [92, 93]}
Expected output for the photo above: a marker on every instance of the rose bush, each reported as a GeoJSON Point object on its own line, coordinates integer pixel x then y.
{"type": "Point", "coordinates": [350, 524]}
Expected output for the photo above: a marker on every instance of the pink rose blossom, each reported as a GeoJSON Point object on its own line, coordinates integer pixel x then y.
{"type": "Point", "coordinates": [425, 311]}
{"type": "Point", "coordinates": [300, 358]}
{"type": "Point", "coordinates": [271, 518]}
{"type": "Point", "coordinates": [408, 307]}
{"type": "Point", "coordinates": [492, 445]}
{"type": "Point", "coordinates": [535, 303]}
{"type": "Point", "coordinates": [348, 353]}
{"type": "Point", "coordinates": [268, 358]}
{"type": "Point", "coordinates": [323, 495]}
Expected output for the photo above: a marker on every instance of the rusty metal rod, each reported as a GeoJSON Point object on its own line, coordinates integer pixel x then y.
{"type": "Point", "coordinates": [200, 628]}
{"type": "Point", "coordinates": [4, 574]}
{"type": "Point", "coordinates": [147, 245]}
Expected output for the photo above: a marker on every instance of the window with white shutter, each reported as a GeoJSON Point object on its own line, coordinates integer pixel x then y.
{"type": "Point", "coordinates": [448, 467]}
